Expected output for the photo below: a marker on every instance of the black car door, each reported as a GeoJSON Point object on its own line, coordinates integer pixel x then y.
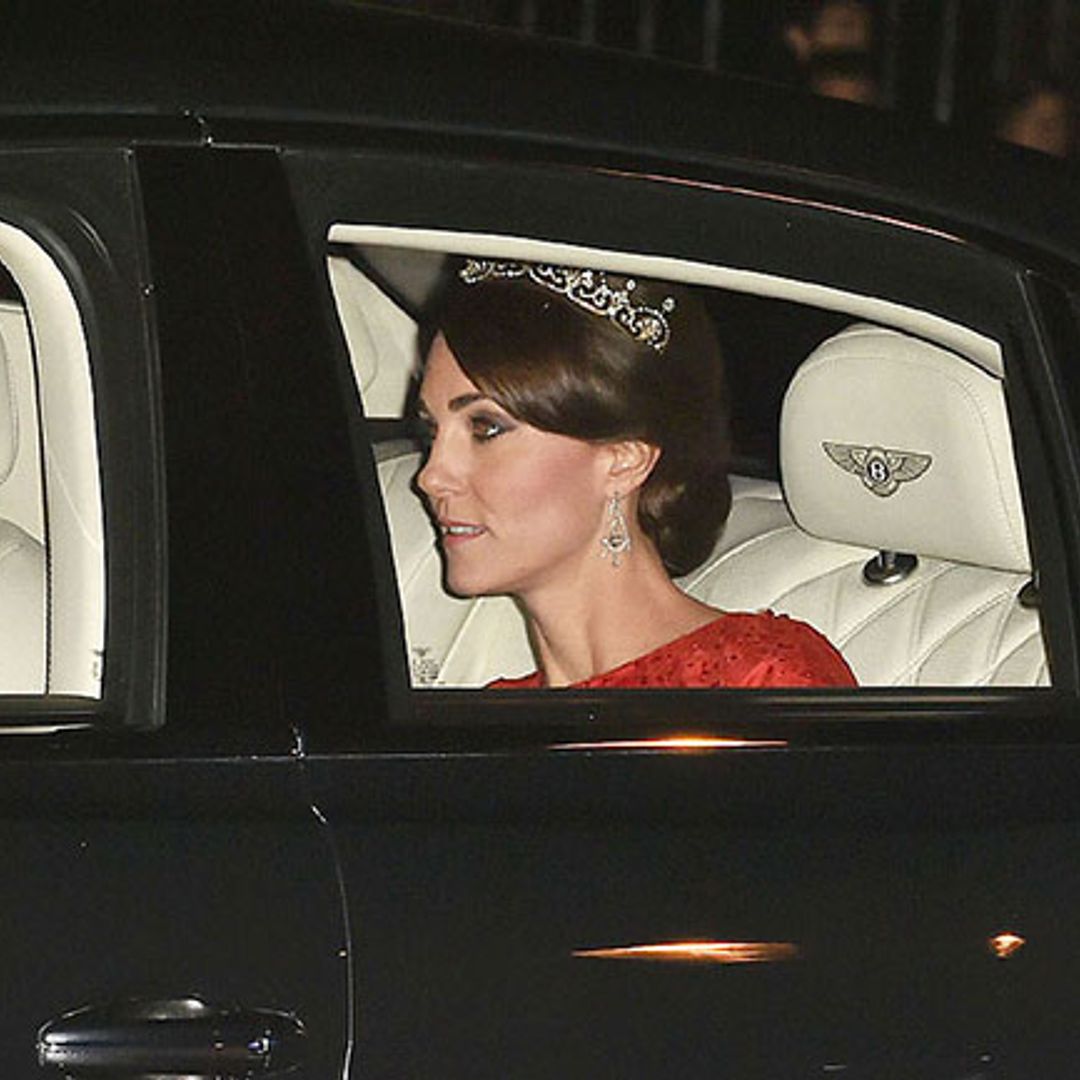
{"type": "Point", "coordinates": [565, 885]}
{"type": "Point", "coordinates": [170, 898]}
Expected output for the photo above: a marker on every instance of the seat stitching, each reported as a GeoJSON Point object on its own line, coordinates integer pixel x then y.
{"type": "Point", "coordinates": [421, 561]}
{"type": "Point", "coordinates": [419, 566]}
{"type": "Point", "coordinates": [1003, 660]}
{"type": "Point", "coordinates": [746, 545]}
{"type": "Point", "coordinates": [898, 598]}
{"type": "Point", "coordinates": [455, 641]}
{"type": "Point", "coordinates": [833, 571]}
{"type": "Point", "coordinates": [994, 644]}
{"type": "Point", "coordinates": [12, 547]}
{"type": "Point", "coordinates": [995, 647]}
{"type": "Point", "coordinates": [918, 662]}
{"type": "Point", "coordinates": [833, 601]}
{"type": "Point", "coordinates": [917, 631]}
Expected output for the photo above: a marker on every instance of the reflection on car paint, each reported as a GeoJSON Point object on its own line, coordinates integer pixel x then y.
{"type": "Point", "coordinates": [1006, 944]}
{"type": "Point", "coordinates": [698, 952]}
{"type": "Point", "coordinates": [676, 742]}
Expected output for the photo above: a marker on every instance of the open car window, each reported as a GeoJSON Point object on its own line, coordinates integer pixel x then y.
{"type": "Point", "coordinates": [52, 561]}
{"type": "Point", "coordinates": [875, 489]}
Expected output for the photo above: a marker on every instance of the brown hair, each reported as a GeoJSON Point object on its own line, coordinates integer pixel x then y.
{"type": "Point", "coordinates": [569, 371]}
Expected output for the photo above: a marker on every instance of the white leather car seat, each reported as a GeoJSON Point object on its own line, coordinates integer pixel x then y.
{"type": "Point", "coordinates": [891, 444]}
{"type": "Point", "coordinates": [382, 339]}
{"type": "Point", "coordinates": [22, 552]}
{"type": "Point", "coordinates": [955, 619]}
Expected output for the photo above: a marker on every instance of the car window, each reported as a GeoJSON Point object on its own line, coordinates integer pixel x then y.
{"type": "Point", "coordinates": [875, 489]}
{"type": "Point", "coordinates": [52, 572]}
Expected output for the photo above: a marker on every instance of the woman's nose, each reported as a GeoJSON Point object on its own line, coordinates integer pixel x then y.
{"type": "Point", "coordinates": [439, 475]}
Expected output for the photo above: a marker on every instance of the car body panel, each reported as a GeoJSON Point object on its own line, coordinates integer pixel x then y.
{"type": "Point", "coordinates": [326, 68]}
{"type": "Point", "coordinates": [162, 880]}
{"type": "Point", "coordinates": [161, 866]}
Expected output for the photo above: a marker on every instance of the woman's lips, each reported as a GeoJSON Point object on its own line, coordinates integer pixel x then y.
{"type": "Point", "coordinates": [459, 532]}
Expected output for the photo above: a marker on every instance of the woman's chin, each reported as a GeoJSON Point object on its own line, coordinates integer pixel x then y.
{"type": "Point", "coordinates": [465, 585]}
{"type": "Point", "coordinates": [469, 585]}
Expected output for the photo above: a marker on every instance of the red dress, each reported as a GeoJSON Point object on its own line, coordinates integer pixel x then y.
{"type": "Point", "coordinates": [735, 650]}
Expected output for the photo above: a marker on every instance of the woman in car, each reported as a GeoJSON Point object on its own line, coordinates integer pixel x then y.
{"type": "Point", "coordinates": [578, 462]}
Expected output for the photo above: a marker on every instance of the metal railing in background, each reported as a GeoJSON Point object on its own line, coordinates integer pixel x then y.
{"type": "Point", "coordinates": [940, 58]}
{"type": "Point", "coordinates": [636, 25]}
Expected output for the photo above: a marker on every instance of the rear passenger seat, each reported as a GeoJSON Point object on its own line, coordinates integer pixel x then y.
{"type": "Point", "coordinates": [879, 398]}
{"type": "Point", "coordinates": [22, 555]}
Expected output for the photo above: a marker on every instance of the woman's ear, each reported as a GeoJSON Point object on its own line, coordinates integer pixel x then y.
{"type": "Point", "coordinates": [631, 462]}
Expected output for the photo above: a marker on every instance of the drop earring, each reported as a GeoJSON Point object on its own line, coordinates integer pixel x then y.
{"type": "Point", "coordinates": [616, 541]}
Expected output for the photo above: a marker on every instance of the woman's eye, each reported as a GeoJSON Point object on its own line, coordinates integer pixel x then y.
{"type": "Point", "coordinates": [486, 428]}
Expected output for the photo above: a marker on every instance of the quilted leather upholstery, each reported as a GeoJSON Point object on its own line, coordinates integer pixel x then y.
{"type": "Point", "coordinates": [947, 624]}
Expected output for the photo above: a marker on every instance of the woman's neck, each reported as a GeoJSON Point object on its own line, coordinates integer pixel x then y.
{"type": "Point", "coordinates": [610, 616]}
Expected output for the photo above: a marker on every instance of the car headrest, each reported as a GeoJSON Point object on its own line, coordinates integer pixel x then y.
{"type": "Point", "coordinates": [9, 427]}
{"type": "Point", "coordinates": [889, 442]}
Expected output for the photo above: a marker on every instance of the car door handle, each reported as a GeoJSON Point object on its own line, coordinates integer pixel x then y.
{"type": "Point", "coordinates": [185, 1036]}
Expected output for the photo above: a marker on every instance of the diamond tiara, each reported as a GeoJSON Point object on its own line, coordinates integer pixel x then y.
{"type": "Point", "coordinates": [586, 289]}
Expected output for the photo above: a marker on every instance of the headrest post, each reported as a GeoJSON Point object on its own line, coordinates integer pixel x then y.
{"type": "Point", "coordinates": [889, 568]}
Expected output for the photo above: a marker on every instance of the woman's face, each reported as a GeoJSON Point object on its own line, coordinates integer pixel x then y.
{"type": "Point", "coordinates": [517, 508]}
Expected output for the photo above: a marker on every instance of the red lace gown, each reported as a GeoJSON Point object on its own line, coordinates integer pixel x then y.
{"type": "Point", "coordinates": [736, 650]}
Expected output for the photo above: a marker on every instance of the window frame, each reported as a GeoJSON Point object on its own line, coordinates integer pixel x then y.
{"type": "Point", "coordinates": [77, 207]}
{"type": "Point", "coordinates": [952, 278]}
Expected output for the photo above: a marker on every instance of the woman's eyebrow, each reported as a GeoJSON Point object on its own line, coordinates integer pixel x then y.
{"type": "Point", "coordinates": [459, 403]}
{"type": "Point", "coordinates": [455, 404]}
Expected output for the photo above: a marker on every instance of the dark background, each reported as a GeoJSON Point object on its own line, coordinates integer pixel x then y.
{"type": "Point", "coordinates": [952, 61]}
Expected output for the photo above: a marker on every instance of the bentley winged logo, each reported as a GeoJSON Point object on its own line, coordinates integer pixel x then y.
{"type": "Point", "coordinates": [881, 470]}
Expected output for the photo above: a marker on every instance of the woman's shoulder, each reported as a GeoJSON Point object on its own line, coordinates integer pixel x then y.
{"type": "Point", "coordinates": [762, 648]}
{"type": "Point", "coordinates": [736, 649]}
